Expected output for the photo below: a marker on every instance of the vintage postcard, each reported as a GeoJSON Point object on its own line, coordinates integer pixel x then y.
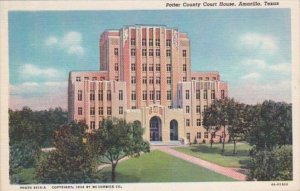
{"type": "Point", "coordinates": [145, 95]}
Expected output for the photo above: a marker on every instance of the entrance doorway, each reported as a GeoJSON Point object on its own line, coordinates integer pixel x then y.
{"type": "Point", "coordinates": [155, 129]}
{"type": "Point", "coordinates": [173, 130]}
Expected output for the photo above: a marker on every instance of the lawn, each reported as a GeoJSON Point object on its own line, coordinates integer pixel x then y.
{"type": "Point", "coordinates": [26, 176]}
{"type": "Point", "coordinates": [157, 166]}
{"type": "Point", "coordinates": [203, 151]}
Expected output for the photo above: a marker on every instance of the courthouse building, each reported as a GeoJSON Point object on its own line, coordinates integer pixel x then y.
{"type": "Point", "coordinates": [145, 75]}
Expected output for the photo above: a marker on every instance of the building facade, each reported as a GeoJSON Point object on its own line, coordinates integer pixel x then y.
{"type": "Point", "coordinates": [145, 75]}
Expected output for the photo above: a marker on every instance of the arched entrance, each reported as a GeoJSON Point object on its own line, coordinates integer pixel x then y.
{"type": "Point", "coordinates": [155, 129]}
{"type": "Point", "coordinates": [173, 130]}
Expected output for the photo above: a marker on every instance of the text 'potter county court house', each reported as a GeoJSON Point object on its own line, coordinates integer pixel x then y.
{"type": "Point", "coordinates": [145, 75]}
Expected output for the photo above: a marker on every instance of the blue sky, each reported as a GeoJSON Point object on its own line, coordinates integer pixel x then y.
{"type": "Point", "coordinates": [251, 48]}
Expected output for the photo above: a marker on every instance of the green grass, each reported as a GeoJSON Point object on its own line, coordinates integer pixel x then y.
{"type": "Point", "coordinates": [26, 176]}
{"type": "Point", "coordinates": [157, 166]}
{"type": "Point", "coordinates": [203, 151]}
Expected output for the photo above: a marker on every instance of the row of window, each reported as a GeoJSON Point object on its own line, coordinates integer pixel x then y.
{"type": "Point", "coordinates": [188, 135]}
{"type": "Point", "coordinates": [150, 42]}
{"type": "Point", "coordinates": [150, 52]}
{"type": "Point", "coordinates": [78, 78]}
{"type": "Point", "coordinates": [206, 78]}
{"type": "Point", "coordinates": [151, 67]}
{"type": "Point", "coordinates": [198, 108]}
{"type": "Point", "coordinates": [100, 111]}
{"type": "Point", "coordinates": [100, 95]}
{"type": "Point", "coordinates": [188, 122]}
{"type": "Point", "coordinates": [187, 94]}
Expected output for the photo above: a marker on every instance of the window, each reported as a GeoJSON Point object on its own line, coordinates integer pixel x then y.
{"type": "Point", "coordinates": [184, 79]}
{"type": "Point", "coordinates": [132, 52]}
{"type": "Point", "coordinates": [79, 95]}
{"type": "Point", "coordinates": [205, 135]}
{"type": "Point", "coordinates": [151, 67]}
{"type": "Point", "coordinates": [214, 78]}
{"type": "Point", "coordinates": [144, 42]}
{"type": "Point", "coordinates": [100, 110]}
{"type": "Point", "coordinates": [150, 42]}
{"type": "Point", "coordinates": [108, 110]}
{"type": "Point", "coordinates": [151, 95]}
{"type": "Point", "coordinates": [150, 52]}
{"type": "Point", "coordinates": [100, 124]}
{"type": "Point", "coordinates": [116, 66]}
{"type": "Point", "coordinates": [213, 95]}
{"type": "Point", "coordinates": [133, 95]}
{"type": "Point", "coordinates": [169, 96]}
{"type": "Point", "coordinates": [198, 135]}
{"type": "Point", "coordinates": [94, 78]}
{"type": "Point", "coordinates": [157, 80]}
{"type": "Point", "coordinates": [132, 67]}
{"type": "Point", "coordinates": [116, 78]}
{"type": "Point", "coordinates": [92, 95]}
{"type": "Point", "coordinates": [168, 42]}
{"type": "Point", "coordinates": [144, 80]}
{"type": "Point", "coordinates": [198, 109]}
{"type": "Point", "coordinates": [187, 109]}
{"type": "Point", "coordinates": [157, 95]}
{"type": "Point", "coordinates": [157, 52]}
{"type": "Point", "coordinates": [213, 135]}
{"type": "Point", "coordinates": [86, 78]}
{"type": "Point", "coordinates": [78, 79]}
{"type": "Point", "coordinates": [157, 67]}
{"type": "Point", "coordinates": [157, 42]}
{"type": "Point", "coordinates": [222, 94]}
{"type": "Point", "coordinates": [169, 80]}
{"type": "Point", "coordinates": [193, 78]}
{"type": "Point", "coordinates": [116, 51]}
{"type": "Point", "coordinates": [184, 53]}
{"type": "Point", "coordinates": [151, 80]}
{"type": "Point", "coordinates": [205, 94]}
{"type": "Point", "coordinates": [133, 80]}
{"type": "Point", "coordinates": [184, 67]}
{"type": "Point", "coordinates": [133, 107]}
{"type": "Point", "coordinates": [132, 42]}
{"type": "Point", "coordinates": [187, 122]}
{"type": "Point", "coordinates": [120, 94]}
{"type": "Point", "coordinates": [108, 95]}
{"type": "Point", "coordinates": [92, 110]}
{"type": "Point", "coordinates": [168, 53]}
{"type": "Point", "coordinates": [92, 126]}
{"type": "Point", "coordinates": [144, 95]}
{"type": "Point", "coordinates": [188, 137]}
{"type": "Point", "coordinates": [100, 95]}
{"type": "Point", "coordinates": [144, 52]}
{"type": "Point", "coordinates": [120, 110]}
{"type": "Point", "coordinates": [200, 78]}
{"type": "Point", "coordinates": [144, 67]}
{"type": "Point", "coordinates": [197, 94]}
{"type": "Point", "coordinates": [198, 122]}
{"type": "Point", "coordinates": [205, 108]}
{"type": "Point", "coordinates": [207, 78]}
{"type": "Point", "coordinates": [187, 94]}
{"type": "Point", "coordinates": [79, 110]}
{"type": "Point", "coordinates": [169, 67]}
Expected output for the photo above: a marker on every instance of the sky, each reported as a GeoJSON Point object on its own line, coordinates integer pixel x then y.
{"type": "Point", "coordinates": [251, 48]}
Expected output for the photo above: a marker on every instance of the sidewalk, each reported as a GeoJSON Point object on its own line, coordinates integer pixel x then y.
{"type": "Point", "coordinates": [211, 166]}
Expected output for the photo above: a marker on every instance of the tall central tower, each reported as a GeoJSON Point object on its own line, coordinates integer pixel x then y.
{"type": "Point", "coordinates": [150, 59]}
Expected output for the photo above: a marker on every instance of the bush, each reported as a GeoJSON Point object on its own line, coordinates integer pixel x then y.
{"type": "Point", "coordinates": [276, 164]}
{"type": "Point", "coordinates": [203, 141]}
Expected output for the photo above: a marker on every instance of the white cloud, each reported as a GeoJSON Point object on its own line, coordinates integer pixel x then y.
{"type": "Point", "coordinates": [38, 96]}
{"type": "Point", "coordinates": [252, 93]}
{"type": "Point", "coordinates": [71, 42]}
{"type": "Point", "coordinates": [50, 41]}
{"type": "Point", "coordinates": [30, 70]}
{"type": "Point", "coordinates": [253, 76]}
{"type": "Point", "coordinates": [255, 41]}
{"type": "Point", "coordinates": [283, 68]}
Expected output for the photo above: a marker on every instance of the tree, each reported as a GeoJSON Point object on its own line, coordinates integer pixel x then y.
{"type": "Point", "coordinates": [119, 139]}
{"type": "Point", "coordinates": [72, 161]}
{"type": "Point", "coordinates": [269, 125]}
{"type": "Point", "coordinates": [276, 164]}
{"type": "Point", "coordinates": [210, 122]}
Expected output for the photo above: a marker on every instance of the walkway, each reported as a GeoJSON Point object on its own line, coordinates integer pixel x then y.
{"type": "Point", "coordinates": [211, 166]}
